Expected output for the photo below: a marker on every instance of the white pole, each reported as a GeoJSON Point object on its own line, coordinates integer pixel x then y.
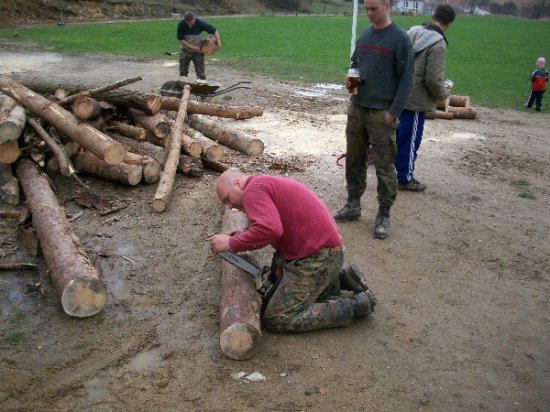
{"type": "Point", "coordinates": [353, 27]}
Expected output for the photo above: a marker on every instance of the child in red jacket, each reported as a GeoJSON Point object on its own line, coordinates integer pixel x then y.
{"type": "Point", "coordinates": [538, 79]}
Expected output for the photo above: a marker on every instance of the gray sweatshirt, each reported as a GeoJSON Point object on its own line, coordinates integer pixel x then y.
{"type": "Point", "coordinates": [386, 63]}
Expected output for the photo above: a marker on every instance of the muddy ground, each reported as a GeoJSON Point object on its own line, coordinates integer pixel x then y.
{"type": "Point", "coordinates": [463, 317]}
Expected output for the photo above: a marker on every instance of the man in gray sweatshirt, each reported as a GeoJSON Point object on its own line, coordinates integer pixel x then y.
{"type": "Point", "coordinates": [385, 61]}
{"type": "Point", "coordinates": [430, 49]}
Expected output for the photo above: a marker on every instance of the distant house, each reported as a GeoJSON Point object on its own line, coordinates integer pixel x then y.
{"type": "Point", "coordinates": [410, 6]}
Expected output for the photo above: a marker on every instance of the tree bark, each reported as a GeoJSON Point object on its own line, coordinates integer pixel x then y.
{"type": "Point", "coordinates": [459, 101]}
{"type": "Point", "coordinates": [215, 166]}
{"type": "Point", "coordinates": [148, 104]}
{"type": "Point", "coordinates": [9, 186]}
{"type": "Point", "coordinates": [86, 108]}
{"type": "Point", "coordinates": [240, 304]}
{"type": "Point", "coordinates": [97, 91]}
{"type": "Point", "coordinates": [134, 132]}
{"type": "Point", "coordinates": [210, 109]}
{"type": "Point", "coordinates": [76, 281]}
{"type": "Point", "coordinates": [234, 139]}
{"type": "Point", "coordinates": [187, 165]}
{"type": "Point", "coordinates": [164, 190]}
{"type": "Point", "coordinates": [12, 120]}
{"type": "Point", "coordinates": [438, 114]}
{"type": "Point", "coordinates": [210, 149]}
{"type": "Point", "coordinates": [463, 112]}
{"type": "Point", "coordinates": [155, 124]}
{"type": "Point", "coordinates": [87, 162]}
{"type": "Point", "coordinates": [85, 135]}
{"type": "Point", "coordinates": [9, 152]}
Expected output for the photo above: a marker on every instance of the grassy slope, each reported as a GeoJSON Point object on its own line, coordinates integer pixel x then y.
{"type": "Point", "coordinates": [489, 58]}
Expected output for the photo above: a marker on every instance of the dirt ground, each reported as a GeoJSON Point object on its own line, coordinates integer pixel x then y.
{"type": "Point", "coordinates": [463, 319]}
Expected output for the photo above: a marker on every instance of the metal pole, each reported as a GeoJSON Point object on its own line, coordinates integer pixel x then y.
{"type": "Point", "coordinates": [353, 27]}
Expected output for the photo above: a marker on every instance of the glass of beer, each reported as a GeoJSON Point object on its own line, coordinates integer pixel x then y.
{"type": "Point", "coordinates": [355, 80]}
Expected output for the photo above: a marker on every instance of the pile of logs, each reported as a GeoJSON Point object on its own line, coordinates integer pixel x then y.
{"type": "Point", "coordinates": [119, 135]}
{"type": "Point", "coordinates": [454, 107]}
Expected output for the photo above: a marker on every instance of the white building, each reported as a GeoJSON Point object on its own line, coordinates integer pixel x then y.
{"type": "Point", "coordinates": [410, 6]}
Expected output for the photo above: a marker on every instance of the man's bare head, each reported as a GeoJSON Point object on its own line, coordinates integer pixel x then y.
{"type": "Point", "coordinates": [230, 187]}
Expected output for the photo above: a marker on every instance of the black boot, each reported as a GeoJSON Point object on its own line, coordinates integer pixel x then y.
{"type": "Point", "coordinates": [382, 223]}
{"type": "Point", "coordinates": [350, 211]}
{"type": "Point", "coordinates": [352, 279]}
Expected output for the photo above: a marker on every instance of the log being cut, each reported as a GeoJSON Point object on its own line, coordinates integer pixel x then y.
{"type": "Point", "coordinates": [75, 279]}
{"type": "Point", "coordinates": [240, 304]}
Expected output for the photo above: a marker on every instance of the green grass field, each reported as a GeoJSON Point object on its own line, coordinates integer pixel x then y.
{"type": "Point", "coordinates": [489, 58]}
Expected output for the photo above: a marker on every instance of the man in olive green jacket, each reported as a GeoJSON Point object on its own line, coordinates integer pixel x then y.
{"type": "Point", "coordinates": [430, 48]}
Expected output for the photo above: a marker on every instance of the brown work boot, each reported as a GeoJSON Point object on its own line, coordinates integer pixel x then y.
{"type": "Point", "coordinates": [350, 211]}
{"type": "Point", "coordinates": [352, 279]}
{"type": "Point", "coordinates": [412, 185]}
{"type": "Point", "coordinates": [363, 304]}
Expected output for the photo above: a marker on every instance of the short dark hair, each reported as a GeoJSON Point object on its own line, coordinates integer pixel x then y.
{"type": "Point", "coordinates": [188, 16]}
{"type": "Point", "coordinates": [444, 14]}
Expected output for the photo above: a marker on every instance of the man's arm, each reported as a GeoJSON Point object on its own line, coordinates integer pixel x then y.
{"type": "Point", "coordinates": [435, 71]}
{"type": "Point", "coordinates": [185, 44]}
{"type": "Point", "coordinates": [218, 42]}
{"type": "Point", "coordinates": [404, 59]}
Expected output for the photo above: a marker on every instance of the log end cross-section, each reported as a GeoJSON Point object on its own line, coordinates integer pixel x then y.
{"type": "Point", "coordinates": [83, 297]}
{"type": "Point", "coordinates": [239, 341]}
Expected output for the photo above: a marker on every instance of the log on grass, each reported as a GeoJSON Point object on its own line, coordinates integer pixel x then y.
{"type": "Point", "coordinates": [164, 189]}
{"type": "Point", "coordinates": [75, 279]}
{"type": "Point", "coordinates": [236, 140]}
{"type": "Point", "coordinates": [156, 124]}
{"type": "Point", "coordinates": [86, 108]}
{"type": "Point", "coordinates": [85, 135]}
{"type": "Point", "coordinates": [12, 120]}
{"type": "Point", "coordinates": [9, 186]}
{"type": "Point", "coordinates": [459, 101]}
{"type": "Point", "coordinates": [9, 152]}
{"type": "Point", "coordinates": [125, 129]}
{"type": "Point", "coordinates": [438, 114]}
{"type": "Point", "coordinates": [211, 109]}
{"type": "Point", "coordinates": [463, 112]}
{"type": "Point", "coordinates": [88, 163]}
{"type": "Point", "coordinates": [240, 304]}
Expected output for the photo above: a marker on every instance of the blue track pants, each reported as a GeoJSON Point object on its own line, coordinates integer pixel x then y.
{"type": "Point", "coordinates": [409, 137]}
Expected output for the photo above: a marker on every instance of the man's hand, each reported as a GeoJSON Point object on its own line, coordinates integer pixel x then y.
{"type": "Point", "coordinates": [389, 118]}
{"type": "Point", "coordinates": [219, 243]}
{"type": "Point", "coordinates": [347, 83]}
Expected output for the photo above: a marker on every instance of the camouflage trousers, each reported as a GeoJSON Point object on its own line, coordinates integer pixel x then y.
{"type": "Point", "coordinates": [186, 57]}
{"type": "Point", "coordinates": [367, 127]}
{"type": "Point", "coordinates": [297, 304]}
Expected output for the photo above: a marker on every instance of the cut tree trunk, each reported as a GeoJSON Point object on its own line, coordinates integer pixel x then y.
{"type": "Point", "coordinates": [443, 105]}
{"type": "Point", "coordinates": [164, 190]}
{"type": "Point", "coordinates": [463, 112]}
{"type": "Point", "coordinates": [85, 135]}
{"type": "Point", "coordinates": [459, 101]}
{"type": "Point", "coordinates": [76, 281]}
{"type": "Point", "coordinates": [231, 138]}
{"type": "Point", "coordinates": [125, 129]}
{"type": "Point", "coordinates": [9, 186]}
{"type": "Point", "coordinates": [240, 304]}
{"type": "Point", "coordinates": [9, 152]}
{"type": "Point", "coordinates": [86, 108]}
{"type": "Point", "coordinates": [156, 124]}
{"type": "Point", "coordinates": [12, 120]}
{"type": "Point", "coordinates": [438, 114]}
{"type": "Point", "coordinates": [210, 109]}
{"type": "Point", "coordinates": [66, 101]}
{"type": "Point", "coordinates": [151, 168]}
{"type": "Point", "coordinates": [87, 162]}
{"type": "Point", "coordinates": [210, 149]}
{"type": "Point", "coordinates": [187, 165]}
{"type": "Point", "coordinates": [148, 104]}
{"type": "Point", "coordinates": [215, 166]}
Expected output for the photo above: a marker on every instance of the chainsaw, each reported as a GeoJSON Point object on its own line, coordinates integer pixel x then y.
{"type": "Point", "coordinates": [265, 279]}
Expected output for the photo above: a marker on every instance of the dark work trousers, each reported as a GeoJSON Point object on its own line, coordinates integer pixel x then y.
{"type": "Point", "coordinates": [186, 57]}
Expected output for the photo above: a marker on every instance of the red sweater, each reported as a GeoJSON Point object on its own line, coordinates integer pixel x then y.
{"type": "Point", "coordinates": [286, 215]}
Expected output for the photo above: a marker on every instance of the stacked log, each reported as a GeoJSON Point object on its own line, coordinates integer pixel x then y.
{"type": "Point", "coordinates": [454, 107]}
